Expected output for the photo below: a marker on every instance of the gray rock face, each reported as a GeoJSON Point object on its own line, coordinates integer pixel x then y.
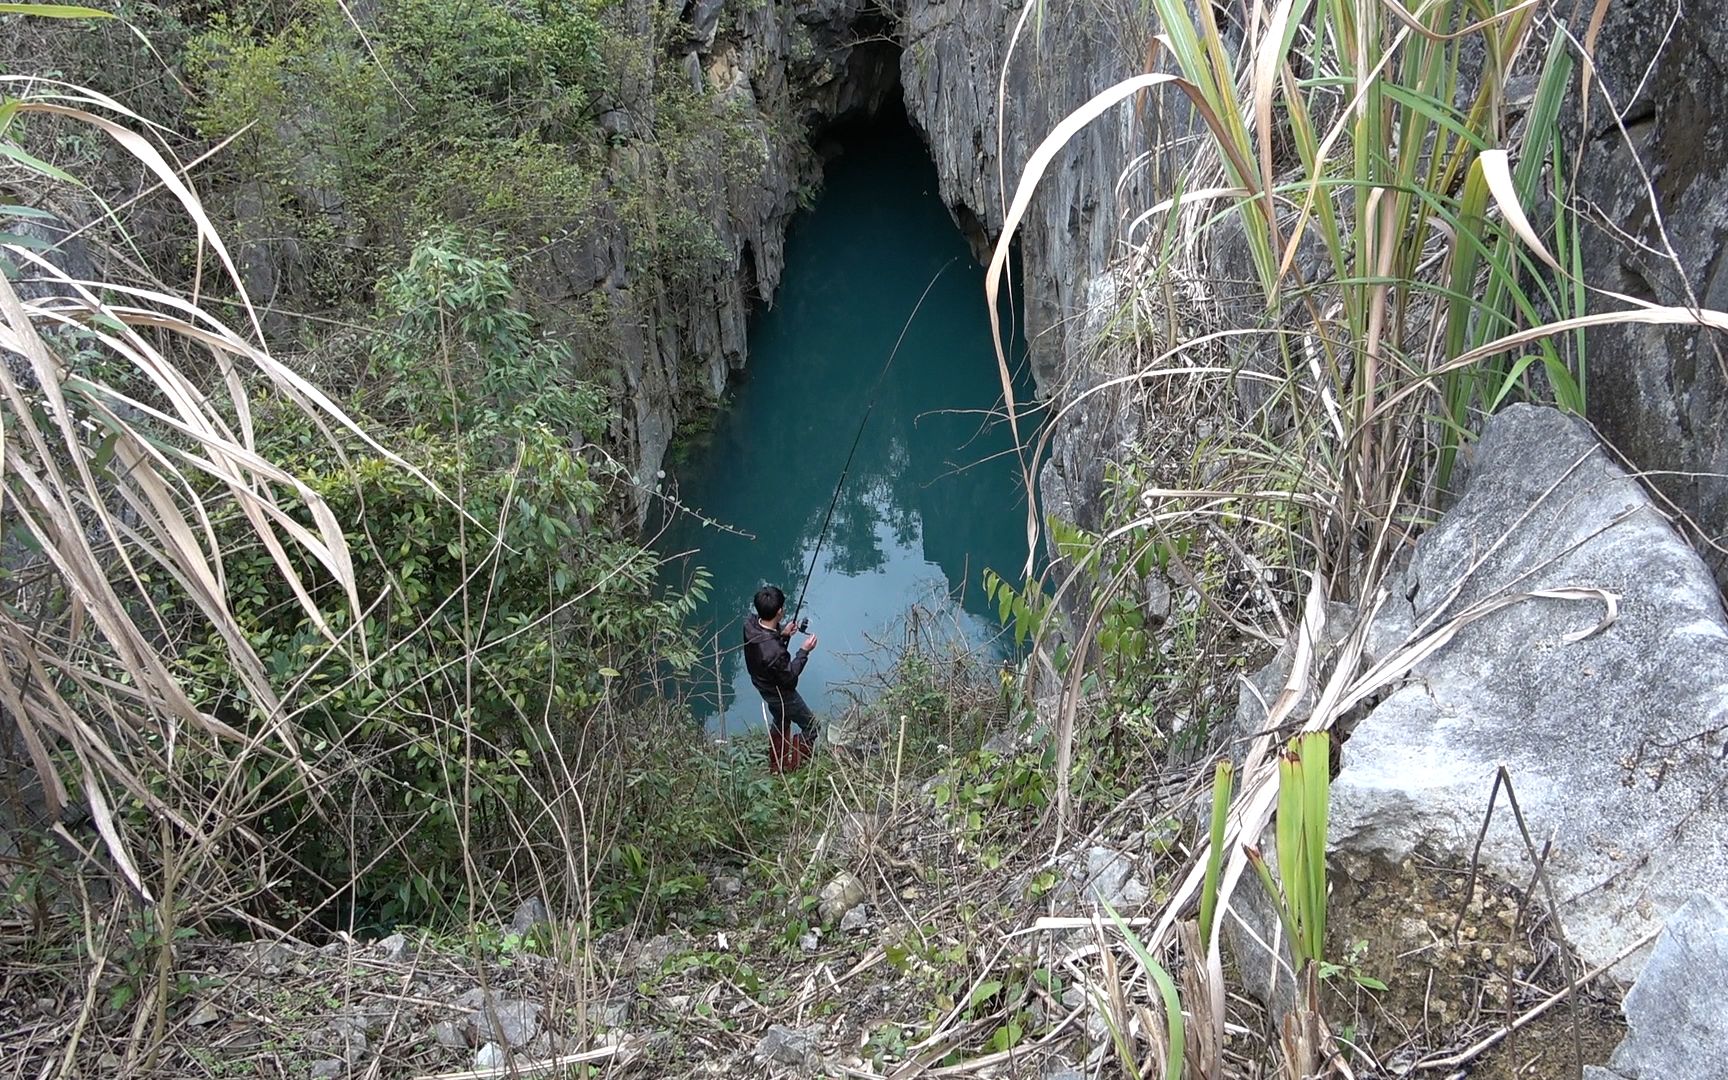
{"type": "Point", "coordinates": [448, 1033]}
{"type": "Point", "coordinates": [1661, 395]}
{"type": "Point", "coordinates": [951, 67]}
{"type": "Point", "coordinates": [789, 1046]}
{"type": "Point", "coordinates": [491, 1056]}
{"type": "Point", "coordinates": [671, 345]}
{"type": "Point", "coordinates": [1614, 741]}
{"type": "Point", "coordinates": [1677, 1028]}
{"type": "Point", "coordinates": [53, 240]}
{"type": "Point", "coordinates": [394, 949]}
{"type": "Point", "coordinates": [952, 72]}
{"type": "Point", "coordinates": [856, 919]}
{"type": "Point", "coordinates": [497, 1019]}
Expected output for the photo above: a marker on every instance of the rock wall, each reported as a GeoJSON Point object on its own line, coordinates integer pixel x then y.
{"type": "Point", "coordinates": [952, 71]}
{"type": "Point", "coordinates": [784, 70]}
{"type": "Point", "coordinates": [1660, 395]}
{"type": "Point", "coordinates": [983, 125]}
{"type": "Point", "coordinates": [814, 63]}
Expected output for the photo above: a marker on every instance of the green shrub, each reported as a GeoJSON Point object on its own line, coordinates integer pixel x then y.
{"type": "Point", "coordinates": [498, 612]}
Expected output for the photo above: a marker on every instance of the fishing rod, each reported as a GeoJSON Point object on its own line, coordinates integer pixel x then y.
{"type": "Point", "coordinates": [839, 485]}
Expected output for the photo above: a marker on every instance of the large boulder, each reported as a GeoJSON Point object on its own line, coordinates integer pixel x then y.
{"type": "Point", "coordinates": [1614, 740]}
{"type": "Point", "coordinates": [1677, 1028]}
{"type": "Point", "coordinates": [1660, 394]}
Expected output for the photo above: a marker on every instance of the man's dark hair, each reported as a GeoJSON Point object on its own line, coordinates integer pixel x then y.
{"type": "Point", "coordinates": [769, 601]}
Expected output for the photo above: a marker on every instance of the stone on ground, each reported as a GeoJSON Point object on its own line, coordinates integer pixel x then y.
{"type": "Point", "coordinates": [1677, 1028]}
{"type": "Point", "coordinates": [394, 949]}
{"type": "Point", "coordinates": [781, 1045]}
{"type": "Point", "coordinates": [1099, 876]}
{"type": "Point", "coordinates": [511, 1022]}
{"type": "Point", "coordinates": [1614, 739]}
{"type": "Point", "coordinates": [529, 914]}
{"type": "Point", "coordinates": [856, 919]}
{"type": "Point", "coordinates": [449, 1033]}
{"type": "Point", "coordinates": [491, 1056]}
{"type": "Point", "coordinates": [839, 896]}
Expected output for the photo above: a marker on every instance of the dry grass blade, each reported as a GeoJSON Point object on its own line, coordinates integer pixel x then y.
{"type": "Point", "coordinates": [1497, 171]}
{"type": "Point", "coordinates": [1036, 166]}
{"type": "Point", "coordinates": [110, 489]}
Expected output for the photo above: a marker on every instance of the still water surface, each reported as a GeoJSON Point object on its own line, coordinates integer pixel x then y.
{"type": "Point", "coordinates": [934, 493]}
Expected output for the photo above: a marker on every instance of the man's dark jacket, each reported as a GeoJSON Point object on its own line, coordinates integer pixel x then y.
{"type": "Point", "coordinates": [773, 669]}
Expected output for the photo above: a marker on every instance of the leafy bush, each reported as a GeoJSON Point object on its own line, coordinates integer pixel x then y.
{"type": "Point", "coordinates": [472, 114]}
{"type": "Point", "coordinates": [500, 600]}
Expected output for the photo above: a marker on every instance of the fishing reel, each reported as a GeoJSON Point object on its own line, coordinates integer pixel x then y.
{"type": "Point", "coordinates": [802, 626]}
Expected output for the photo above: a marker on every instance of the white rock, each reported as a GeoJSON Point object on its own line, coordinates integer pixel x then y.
{"type": "Point", "coordinates": [1613, 739]}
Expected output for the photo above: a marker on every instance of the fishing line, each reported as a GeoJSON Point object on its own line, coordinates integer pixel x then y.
{"type": "Point", "coordinates": [875, 390]}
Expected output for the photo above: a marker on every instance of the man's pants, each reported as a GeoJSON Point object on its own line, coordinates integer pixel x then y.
{"type": "Point", "coordinates": [785, 708]}
{"type": "Point", "coordinates": [786, 752]}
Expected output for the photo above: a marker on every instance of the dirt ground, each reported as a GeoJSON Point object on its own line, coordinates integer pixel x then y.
{"type": "Point", "coordinates": [1451, 961]}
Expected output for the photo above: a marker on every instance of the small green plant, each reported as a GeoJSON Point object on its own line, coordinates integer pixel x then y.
{"type": "Point", "coordinates": [987, 795]}
{"type": "Point", "coordinates": [1304, 795]}
{"type": "Point", "coordinates": [137, 955]}
{"type": "Point", "coordinates": [1221, 782]}
{"type": "Point", "coordinates": [1024, 609]}
{"type": "Point", "coordinates": [1175, 1032]}
{"type": "Point", "coordinates": [1351, 967]}
{"type": "Point", "coordinates": [886, 1045]}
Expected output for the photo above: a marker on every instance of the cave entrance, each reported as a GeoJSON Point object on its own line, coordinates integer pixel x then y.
{"type": "Point", "coordinates": [934, 493]}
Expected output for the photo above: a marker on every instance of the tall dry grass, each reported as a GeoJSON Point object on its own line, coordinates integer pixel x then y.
{"type": "Point", "coordinates": [1394, 179]}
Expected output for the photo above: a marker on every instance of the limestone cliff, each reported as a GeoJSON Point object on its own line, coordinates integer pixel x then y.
{"type": "Point", "coordinates": [1660, 394]}
{"type": "Point", "coordinates": [783, 70]}
{"type": "Point", "coordinates": [986, 82]}
{"type": "Point", "coordinates": [792, 69]}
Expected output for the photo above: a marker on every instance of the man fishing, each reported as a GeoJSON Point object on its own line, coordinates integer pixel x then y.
{"type": "Point", "coordinates": [774, 672]}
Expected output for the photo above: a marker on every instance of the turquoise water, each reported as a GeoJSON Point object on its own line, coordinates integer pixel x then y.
{"type": "Point", "coordinates": [934, 493]}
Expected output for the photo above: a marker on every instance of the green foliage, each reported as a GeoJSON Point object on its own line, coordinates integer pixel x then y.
{"type": "Point", "coordinates": [1024, 609]}
{"type": "Point", "coordinates": [1304, 795]}
{"type": "Point", "coordinates": [681, 807]}
{"type": "Point", "coordinates": [133, 958]}
{"type": "Point", "coordinates": [1351, 967]}
{"type": "Point", "coordinates": [938, 967]}
{"type": "Point", "coordinates": [1175, 1027]}
{"type": "Point", "coordinates": [1221, 781]}
{"type": "Point", "coordinates": [496, 609]}
{"type": "Point", "coordinates": [1382, 144]}
{"type": "Point", "coordinates": [472, 113]}
{"type": "Point", "coordinates": [989, 798]}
